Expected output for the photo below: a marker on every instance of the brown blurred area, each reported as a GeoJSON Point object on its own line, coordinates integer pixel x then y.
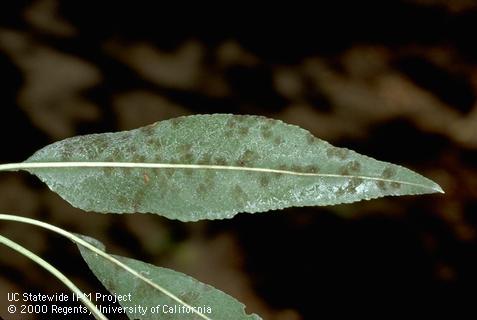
{"type": "Point", "coordinates": [395, 80]}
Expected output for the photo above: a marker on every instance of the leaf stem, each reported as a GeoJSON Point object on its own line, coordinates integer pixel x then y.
{"type": "Point", "coordinates": [40, 261]}
{"type": "Point", "coordinates": [105, 255]}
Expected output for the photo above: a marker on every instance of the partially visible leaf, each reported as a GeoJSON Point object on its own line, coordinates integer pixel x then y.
{"type": "Point", "coordinates": [217, 305]}
{"type": "Point", "coordinates": [214, 166]}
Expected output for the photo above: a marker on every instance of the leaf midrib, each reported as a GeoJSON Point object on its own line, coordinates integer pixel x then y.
{"type": "Point", "coordinates": [88, 164]}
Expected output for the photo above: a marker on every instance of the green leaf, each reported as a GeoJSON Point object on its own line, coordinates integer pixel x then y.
{"type": "Point", "coordinates": [210, 302]}
{"type": "Point", "coordinates": [214, 166]}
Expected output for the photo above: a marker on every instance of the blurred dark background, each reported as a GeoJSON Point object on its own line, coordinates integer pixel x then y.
{"type": "Point", "coordinates": [395, 80]}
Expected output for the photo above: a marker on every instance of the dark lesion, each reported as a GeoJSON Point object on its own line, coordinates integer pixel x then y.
{"type": "Point", "coordinates": [388, 173]}
{"type": "Point", "coordinates": [264, 180]}
{"type": "Point", "coordinates": [340, 153]}
{"type": "Point", "coordinates": [247, 158]}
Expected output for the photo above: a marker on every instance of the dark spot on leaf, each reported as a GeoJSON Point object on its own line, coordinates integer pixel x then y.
{"type": "Point", "coordinates": [239, 194]}
{"type": "Point", "coordinates": [210, 179]}
{"type": "Point", "coordinates": [231, 123]}
{"type": "Point", "coordinates": [123, 201]}
{"type": "Point", "coordinates": [168, 171]}
{"type": "Point", "coordinates": [241, 118]}
{"type": "Point", "coordinates": [351, 167]}
{"type": "Point", "coordinates": [247, 158]}
{"type": "Point", "coordinates": [344, 171]}
{"type": "Point", "coordinates": [185, 147]}
{"type": "Point", "coordinates": [354, 166]}
{"type": "Point", "coordinates": [266, 133]}
{"type": "Point", "coordinates": [202, 189]}
{"type": "Point", "coordinates": [158, 158]}
{"type": "Point", "coordinates": [395, 185]}
{"type": "Point", "coordinates": [340, 192]}
{"type": "Point", "coordinates": [312, 169]}
{"type": "Point", "coordinates": [221, 161]}
{"type": "Point", "coordinates": [388, 172]}
{"type": "Point", "coordinates": [205, 159]}
{"type": "Point", "coordinates": [188, 172]}
{"type": "Point", "coordinates": [126, 171]}
{"type": "Point", "coordinates": [188, 157]}
{"type": "Point", "coordinates": [353, 184]}
{"type": "Point", "coordinates": [339, 153]}
{"type": "Point", "coordinates": [264, 181]}
{"type": "Point", "coordinates": [296, 168]}
{"type": "Point", "coordinates": [243, 131]}
{"type": "Point", "coordinates": [381, 185]}
{"type": "Point", "coordinates": [278, 140]}
{"type": "Point", "coordinates": [138, 158]}
{"type": "Point", "coordinates": [229, 133]}
{"type": "Point", "coordinates": [107, 171]}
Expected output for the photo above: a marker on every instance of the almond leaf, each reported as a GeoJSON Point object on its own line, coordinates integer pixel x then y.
{"type": "Point", "coordinates": [213, 167]}
{"type": "Point", "coordinates": [209, 303]}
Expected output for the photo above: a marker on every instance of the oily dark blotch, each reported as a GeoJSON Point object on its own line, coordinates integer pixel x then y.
{"type": "Point", "coordinates": [146, 178]}
{"type": "Point", "coordinates": [122, 200]}
{"type": "Point", "coordinates": [205, 159]}
{"type": "Point", "coordinates": [139, 158]}
{"type": "Point", "coordinates": [220, 161]}
{"type": "Point", "coordinates": [247, 158]}
{"type": "Point", "coordinates": [188, 157]}
{"type": "Point", "coordinates": [353, 184]}
{"type": "Point", "coordinates": [239, 195]}
{"type": "Point", "coordinates": [231, 123]}
{"type": "Point", "coordinates": [277, 141]}
{"type": "Point", "coordinates": [351, 167]}
{"type": "Point", "coordinates": [185, 148]}
{"type": "Point", "coordinates": [229, 133]}
{"type": "Point", "coordinates": [388, 172]}
{"type": "Point", "coordinates": [340, 153]}
{"type": "Point", "coordinates": [266, 133]}
{"type": "Point", "coordinates": [243, 131]}
{"type": "Point", "coordinates": [264, 180]}
{"type": "Point", "coordinates": [312, 169]}
{"type": "Point", "coordinates": [201, 189]}
{"type": "Point", "coordinates": [296, 168]}
{"type": "Point", "coordinates": [381, 185]}
{"type": "Point", "coordinates": [395, 185]}
{"type": "Point", "coordinates": [340, 192]}
{"type": "Point", "coordinates": [354, 166]}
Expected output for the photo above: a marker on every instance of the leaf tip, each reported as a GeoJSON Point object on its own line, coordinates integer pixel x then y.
{"type": "Point", "coordinates": [437, 188]}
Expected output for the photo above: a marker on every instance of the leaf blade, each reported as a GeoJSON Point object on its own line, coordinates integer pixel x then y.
{"type": "Point", "coordinates": [196, 294]}
{"type": "Point", "coordinates": [214, 166]}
